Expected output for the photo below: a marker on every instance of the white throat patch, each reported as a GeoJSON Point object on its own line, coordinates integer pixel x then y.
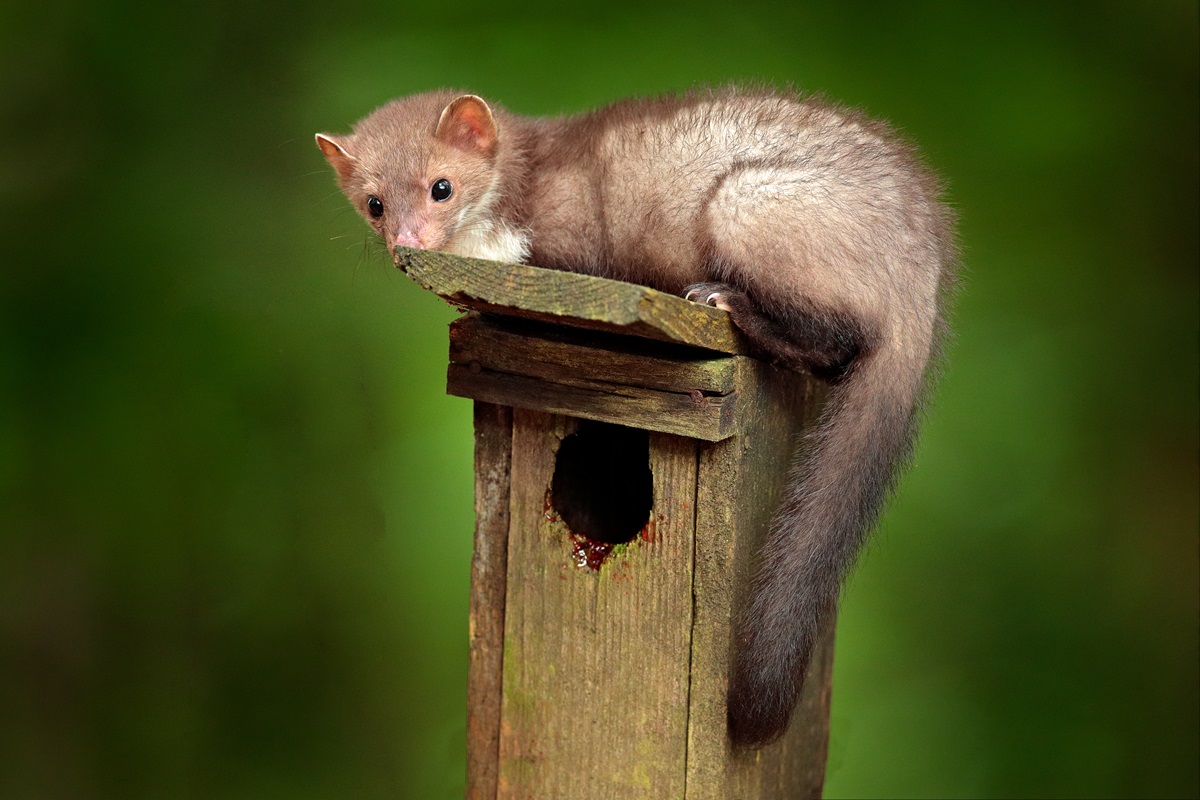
{"type": "Point", "coordinates": [496, 242]}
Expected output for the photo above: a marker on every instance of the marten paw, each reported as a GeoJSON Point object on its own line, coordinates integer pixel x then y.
{"type": "Point", "coordinates": [717, 295]}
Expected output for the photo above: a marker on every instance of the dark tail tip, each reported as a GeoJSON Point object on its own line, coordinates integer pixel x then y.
{"type": "Point", "coordinates": [759, 707]}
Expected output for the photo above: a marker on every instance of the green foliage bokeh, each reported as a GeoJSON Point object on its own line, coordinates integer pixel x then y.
{"type": "Point", "coordinates": [235, 503]}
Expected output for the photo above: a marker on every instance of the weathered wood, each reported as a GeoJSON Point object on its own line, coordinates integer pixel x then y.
{"type": "Point", "coordinates": [493, 456]}
{"type": "Point", "coordinates": [555, 353]}
{"type": "Point", "coordinates": [702, 417]}
{"type": "Point", "coordinates": [608, 378]}
{"type": "Point", "coordinates": [740, 481]}
{"type": "Point", "coordinates": [568, 298]}
{"type": "Point", "coordinates": [596, 661]}
{"type": "Point", "coordinates": [585, 678]}
{"type": "Point", "coordinates": [612, 682]}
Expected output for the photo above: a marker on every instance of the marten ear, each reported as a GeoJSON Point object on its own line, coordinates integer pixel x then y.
{"type": "Point", "coordinates": [468, 124]}
{"type": "Point", "coordinates": [337, 155]}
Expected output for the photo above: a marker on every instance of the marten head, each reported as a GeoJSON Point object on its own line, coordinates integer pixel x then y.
{"type": "Point", "coordinates": [421, 170]}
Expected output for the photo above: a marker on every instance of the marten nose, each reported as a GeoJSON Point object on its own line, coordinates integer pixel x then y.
{"type": "Point", "coordinates": [408, 239]}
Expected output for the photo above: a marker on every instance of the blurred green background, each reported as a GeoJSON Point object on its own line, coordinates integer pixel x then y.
{"type": "Point", "coordinates": [235, 504]}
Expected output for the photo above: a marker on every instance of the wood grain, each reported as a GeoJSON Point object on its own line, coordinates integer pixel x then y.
{"type": "Point", "coordinates": [569, 298]}
{"type": "Point", "coordinates": [493, 456]}
{"type": "Point", "coordinates": [611, 682]}
{"type": "Point", "coordinates": [702, 417]}
{"type": "Point", "coordinates": [555, 353]}
{"type": "Point", "coordinates": [741, 482]}
{"type": "Point", "coordinates": [596, 661]}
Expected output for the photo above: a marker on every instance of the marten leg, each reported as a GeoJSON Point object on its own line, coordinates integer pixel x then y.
{"type": "Point", "coordinates": [798, 336]}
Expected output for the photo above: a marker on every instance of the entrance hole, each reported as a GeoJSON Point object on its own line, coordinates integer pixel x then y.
{"type": "Point", "coordinates": [602, 486]}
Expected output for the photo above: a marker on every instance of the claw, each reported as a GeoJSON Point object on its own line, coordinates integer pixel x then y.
{"type": "Point", "coordinates": [707, 294]}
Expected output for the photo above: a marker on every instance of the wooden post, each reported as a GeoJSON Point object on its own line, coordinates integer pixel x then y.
{"type": "Point", "coordinates": [629, 453]}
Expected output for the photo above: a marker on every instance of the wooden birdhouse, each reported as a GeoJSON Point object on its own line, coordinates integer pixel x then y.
{"type": "Point", "coordinates": [629, 453]}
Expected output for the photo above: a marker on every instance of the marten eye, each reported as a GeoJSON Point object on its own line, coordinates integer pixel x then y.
{"type": "Point", "coordinates": [374, 206]}
{"type": "Point", "coordinates": [441, 190]}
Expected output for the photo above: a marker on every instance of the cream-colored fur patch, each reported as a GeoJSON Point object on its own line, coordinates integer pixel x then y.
{"type": "Point", "coordinates": [496, 242]}
{"type": "Point", "coordinates": [478, 235]}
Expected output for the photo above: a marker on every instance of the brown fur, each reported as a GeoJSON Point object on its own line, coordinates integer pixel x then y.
{"type": "Point", "coordinates": [814, 225]}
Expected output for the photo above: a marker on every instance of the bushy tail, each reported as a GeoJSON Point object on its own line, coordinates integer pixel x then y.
{"type": "Point", "coordinates": [842, 474]}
